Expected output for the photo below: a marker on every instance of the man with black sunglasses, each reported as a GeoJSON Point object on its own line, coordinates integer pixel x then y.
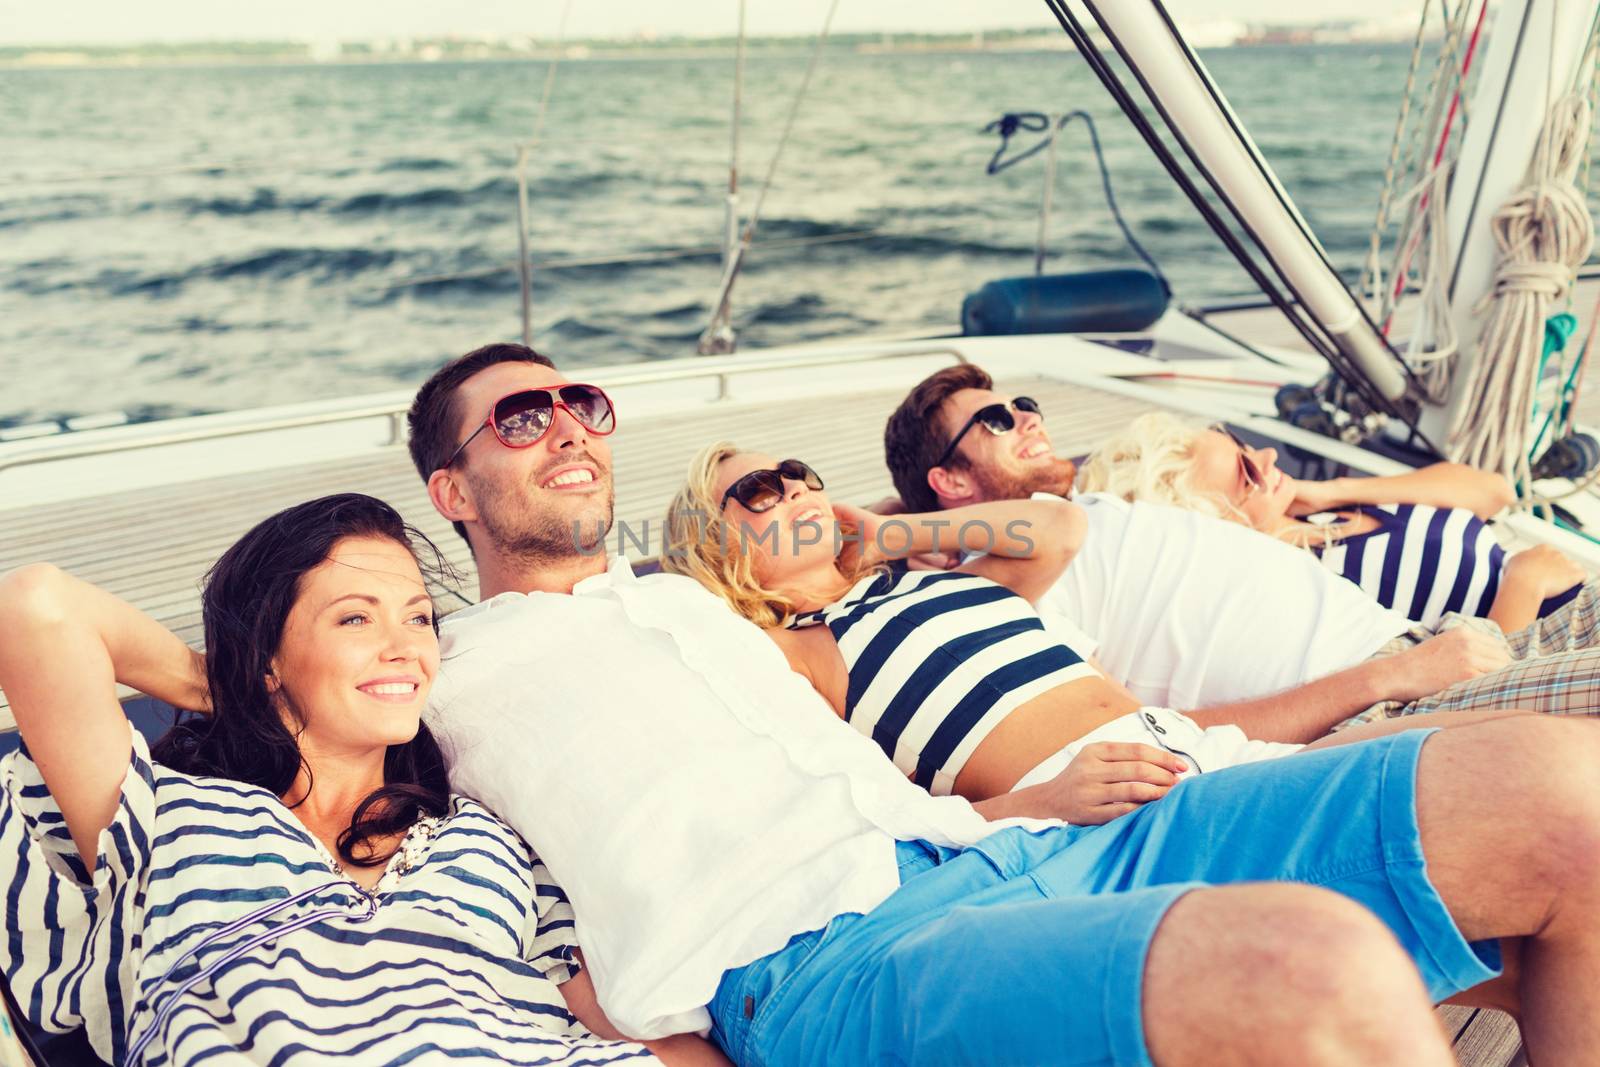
{"type": "Point", "coordinates": [1188, 611]}
{"type": "Point", "coordinates": [742, 862]}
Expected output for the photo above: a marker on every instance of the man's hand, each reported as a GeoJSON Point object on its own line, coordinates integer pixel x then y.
{"type": "Point", "coordinates": [1106, 780]}
{"type": "Point", "coordinates": [858, 529]}
{"type": "Point", "coordinates": [1545, 569]}
{"type": "Point", "coordinates": [1441, 662]}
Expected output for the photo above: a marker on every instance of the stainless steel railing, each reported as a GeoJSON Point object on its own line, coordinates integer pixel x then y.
{"type": "Point", "coordinates": [723, 369]}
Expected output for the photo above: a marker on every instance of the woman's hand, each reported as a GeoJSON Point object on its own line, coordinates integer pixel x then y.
{"type": "Point", "coordinates": [1109, 779]}
{"type": "Point", "coordinates": [1545, 569]}
{"type": "Point", "coordinates": [1531, 577]}
{"type": "Point", "coordinates": [1311, 497]}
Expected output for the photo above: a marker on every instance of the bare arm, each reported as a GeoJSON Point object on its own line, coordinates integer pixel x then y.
{"type": "Point", "coordinates": [1307, 712]}
{"type": "Point", "coordinates": [70, 643]}
{"type": "Point", "coordinates": [687, 1050]}
{"type": "Point", "coordinates": [1440, 485]}
{"type": "Point", "coordinates": [1527, 579]}
{"type": "Point", "coordinates": [1026, 544]}
{"type": "Point", "coordinates": [1051, 532]}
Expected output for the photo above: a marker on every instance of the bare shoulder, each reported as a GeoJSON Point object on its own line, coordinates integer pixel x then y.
{"type": "Point", "coordinates": [814, 655]}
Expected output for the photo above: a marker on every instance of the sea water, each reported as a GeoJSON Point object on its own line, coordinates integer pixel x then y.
{"type": "Point", "coordinates": [183, 239]}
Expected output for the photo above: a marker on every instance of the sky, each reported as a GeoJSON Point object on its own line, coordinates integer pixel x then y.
{"type": "Point", "coordinates": [120, 21]}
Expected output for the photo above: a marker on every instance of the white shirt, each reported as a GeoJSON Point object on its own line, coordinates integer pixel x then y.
{"type": "Point", "coordinates": [1191, 611]}
{"type": "Point", "coordinates": [697, 799]}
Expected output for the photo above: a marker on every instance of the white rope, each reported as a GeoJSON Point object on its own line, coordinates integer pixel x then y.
{"type": "Point", "coordinates": [1372, 269]}
{"type": "Point", "coordinates": [1421, 168]}
{"type": "Point", "coordinates": [1543, 234]}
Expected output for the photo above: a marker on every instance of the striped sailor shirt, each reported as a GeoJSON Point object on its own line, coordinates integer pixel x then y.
{"type": "Point", "coordinates": [1422, 561]}
{"type": "Point", "coordinates": [937, 660]}
{"type": "Point", "coordinates": [215, 929]}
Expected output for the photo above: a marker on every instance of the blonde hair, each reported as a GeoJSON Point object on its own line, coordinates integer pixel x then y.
{"type": "Point", "coordinates": [701, 545]}
{"type": "Point", "coordinates": [1153, 461]}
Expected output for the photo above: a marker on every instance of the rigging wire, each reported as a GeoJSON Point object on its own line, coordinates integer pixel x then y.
{"type": "Point", "coordinates": [1287, 303]}
{"type": "Point", "coordinates": [1372, 269]}
{"type": "Point", "coordinates": [1415, 234]}
{"type": "Point", "coordinates": [1360, 382]}
{"type": "Point", "coordinates": [718, 336]}
{"type": "Point", "coordinates": [721, 307]}
{"type": "Point", "coordinates": [524, 263]}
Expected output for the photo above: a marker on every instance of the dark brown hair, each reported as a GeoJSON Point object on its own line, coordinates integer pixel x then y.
{"type": "Point", "coordinates": [246, 604]}
{"type": "Point", "coordinates": [434, 418]}
{"type": "Point", "coordinates": [915, 437]}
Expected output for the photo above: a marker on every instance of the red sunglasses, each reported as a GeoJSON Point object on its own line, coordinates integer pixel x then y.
{"type": "Point", "coordinates": [522, 418]}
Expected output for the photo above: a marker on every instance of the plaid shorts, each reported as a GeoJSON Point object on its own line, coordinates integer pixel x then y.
{"type": "Point", "coordinates": [1555, 665]}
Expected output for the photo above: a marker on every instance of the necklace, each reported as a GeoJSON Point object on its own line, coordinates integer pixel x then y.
{"type": "Point", "coordinates": [411, 853]}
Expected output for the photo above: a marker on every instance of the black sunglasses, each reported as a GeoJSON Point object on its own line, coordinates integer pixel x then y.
{"type": "Point", "coordinates": [761, 491]}
{"type": "Point", "coordinates": [1252, 473]}
{"type": "Point", "coordinates": [522, 418]}
{"type": "Point", "coordinates": [996, 418]}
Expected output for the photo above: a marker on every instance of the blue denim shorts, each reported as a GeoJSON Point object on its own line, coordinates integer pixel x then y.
{"type": "Point", "coordinates": [1029, 948]}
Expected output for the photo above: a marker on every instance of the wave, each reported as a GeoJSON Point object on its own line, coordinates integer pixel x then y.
{"type": "Point", "coordinates": [499, 190]}
{"type": "Point", "coordinates": [802, 307]}
{"type": "Point", "coordinates": [413, 164]}
{"type": "Point", "coordinates": [575, 329]}
{"type": "Point", "coordinates": [274, 263]}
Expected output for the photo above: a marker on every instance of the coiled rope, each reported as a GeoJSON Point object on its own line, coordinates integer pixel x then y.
{"type": "Point", "coordinates": [1543, 233]}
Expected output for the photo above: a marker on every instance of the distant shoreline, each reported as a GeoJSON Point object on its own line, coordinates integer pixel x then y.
{"type": "Point", "coordinates": [513, 49]}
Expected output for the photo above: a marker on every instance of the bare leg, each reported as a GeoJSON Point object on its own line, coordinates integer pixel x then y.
{"type": "Point", "coordinates": [1273, 974]}
{"type": "Point", "coordinates": [1442, 720]}
{"type": "Point", "coordinates": [1510, 824]}
{"type": "Point", "coordinates": [1501, 994]}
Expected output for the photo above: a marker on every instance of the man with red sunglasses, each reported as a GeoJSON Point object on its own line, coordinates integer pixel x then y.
{"type": "Point", "coordinates": [742, 862]}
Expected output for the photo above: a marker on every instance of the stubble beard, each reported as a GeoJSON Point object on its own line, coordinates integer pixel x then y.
{"type": "Point", "coordinates": [519, 531]}
{"type": "Point", "coordinates": [1055, 478]}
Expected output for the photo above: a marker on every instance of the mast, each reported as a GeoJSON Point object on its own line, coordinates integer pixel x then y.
{"type": "Point", "coordinates": [1210, 134]}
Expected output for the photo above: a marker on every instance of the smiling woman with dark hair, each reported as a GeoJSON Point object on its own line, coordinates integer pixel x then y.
{"type": "Point", "coordinates": [288, 876]}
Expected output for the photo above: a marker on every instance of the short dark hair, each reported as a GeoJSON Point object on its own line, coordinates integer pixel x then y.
{"type": "Point", "coordinates": [433, 418]}
{"type": "Point", "coordinates": [914, 438]}
{"type": "Point", "coordinates": [248, 596]}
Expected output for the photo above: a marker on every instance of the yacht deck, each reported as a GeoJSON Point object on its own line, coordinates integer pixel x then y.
{"type": "Point", "coordinates": [152, 546]}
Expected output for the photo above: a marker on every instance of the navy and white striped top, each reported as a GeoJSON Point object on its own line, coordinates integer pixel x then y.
{"type": "Point", "coordinates": [1423, 561]}
{"type": "Point", "coordinates": [214, 928]}
{"type": "Point", "coordinates": [937, 659]}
